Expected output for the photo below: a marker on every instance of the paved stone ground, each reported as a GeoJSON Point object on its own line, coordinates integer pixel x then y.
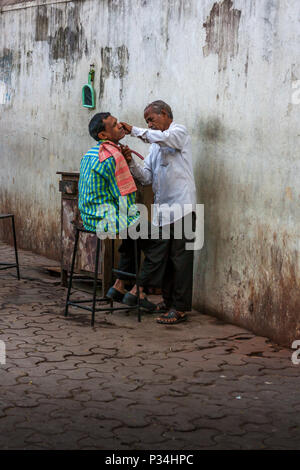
{"type": "Point", "coordinates": [126, 385]}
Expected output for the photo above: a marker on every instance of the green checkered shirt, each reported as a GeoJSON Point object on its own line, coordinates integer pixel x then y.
{"type": "Point", "coordinates": [98, 200]}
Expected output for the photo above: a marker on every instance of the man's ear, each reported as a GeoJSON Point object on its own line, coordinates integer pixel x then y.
{"type": "Point", "coordinates": [102, 135]}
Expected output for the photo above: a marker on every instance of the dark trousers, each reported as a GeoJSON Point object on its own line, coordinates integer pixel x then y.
{"type": "Point", "coordinates": [167, 264]}
{"type": "Point", "coordinates": [150, 273]}
{"type": "Point", "coordinates": [177, 280]}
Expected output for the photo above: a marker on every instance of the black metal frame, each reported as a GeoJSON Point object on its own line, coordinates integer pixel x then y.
{"type": "Point", "coordinates": [16, 264]}
{"type": "Point", "coordinates": [94, 299]}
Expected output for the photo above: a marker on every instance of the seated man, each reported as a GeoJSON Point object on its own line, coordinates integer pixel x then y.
{"type": "Point", "coordinates": [104, 178]}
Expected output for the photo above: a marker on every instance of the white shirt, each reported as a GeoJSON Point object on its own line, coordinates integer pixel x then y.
{"type": "Point", "coordinates": [169, 169]}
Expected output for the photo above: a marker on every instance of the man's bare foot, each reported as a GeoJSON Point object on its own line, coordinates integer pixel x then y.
{"type": "Point", "coordinates": [161, 307]}
{"type": "Point", "coordinates": [134, 292]}
{"type": "Point", "coordinates": [119, 286]}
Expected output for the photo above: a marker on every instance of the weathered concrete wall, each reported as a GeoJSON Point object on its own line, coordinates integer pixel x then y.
{"type": "Point", "coordinates": [228, 69]}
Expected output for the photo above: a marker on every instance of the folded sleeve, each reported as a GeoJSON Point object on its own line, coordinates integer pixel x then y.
{"type": "Point", "coordinates": [173, 137]}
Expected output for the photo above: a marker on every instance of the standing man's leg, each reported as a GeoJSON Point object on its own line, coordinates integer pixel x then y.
{"type": "Point", "coordinates": [154, 265]}
{"type": "Point", "coordinates": [168, 280]}
{"type": "Point", "coordinates": [180, 273]}
{"type": "Point", "coordinates": [151, 273]}
{"type": "Point", "coordinates": [183, 262]}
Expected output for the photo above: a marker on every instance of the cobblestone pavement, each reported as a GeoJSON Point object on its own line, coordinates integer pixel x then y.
{"type": "Point", "coordinates": [202, 384]}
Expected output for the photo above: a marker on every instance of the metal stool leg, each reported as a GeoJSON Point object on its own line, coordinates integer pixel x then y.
{"type": "Point", "coordinates": [137, 279]}
{"type": "Point", "coordinates": [15, 245]}
{"type": "Point", "coordinates": [112, 267]}
{"type": "Point", "coordinates": [72, 271]}
{"type": "Point", "coordinates": [95, 281]}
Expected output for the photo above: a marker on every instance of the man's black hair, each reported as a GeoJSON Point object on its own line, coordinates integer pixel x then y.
{"type": "Point", "coordinates": [97, 125]}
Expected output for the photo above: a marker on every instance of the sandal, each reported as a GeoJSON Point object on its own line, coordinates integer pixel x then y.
{"type": "Point", "coordinates": [171, 317]}
{"type": "Point", "coordinates": [114, 294]}
{"type": "Point", "coordinates": [131, 300]}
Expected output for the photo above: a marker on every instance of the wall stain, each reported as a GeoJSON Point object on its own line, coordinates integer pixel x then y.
{"type": "Point", "coordinates": [276, 304]}
{"type": "Point", "coordinates": [114, 62]}
{"type": "Point", "coordinates": [270, 19]}
{"type": "Point", "coordinates": [6, 70]}
{"type": "Point", "coordinates": [41, 24]}
{"type": "Point", "coordinates": [64, 32]}
{"type": "Point", "coordinates": [6, 63]}
{"type": "Point", "coordinates": [28, 61]}
{"type": "Point", "coordinates": [246, 69]}
{"type": "Point", "coordinates": [35, 232]}
{"type": "Point", "coordinates": [67, 43]}
{"type": "Point", "coordinates": [266, 300]}
{"type": "Point", "coordinates": [222, 26]}
{"type": "Point", "coordinates": [212, 130]}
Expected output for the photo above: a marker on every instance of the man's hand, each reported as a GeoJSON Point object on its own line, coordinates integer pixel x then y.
{"type": "Point", "coordinates": [127, 153]}
{"type": "Point", "coordinates": [127, 127]}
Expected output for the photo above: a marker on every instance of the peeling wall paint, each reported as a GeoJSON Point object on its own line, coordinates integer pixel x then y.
{"type": "Point", "coordinates": [229, 69]}
{"type": "Point", "coordinates": [68, 41]}
{"type": "Point", "coordinates": [41, 24]}
{"type": "Point", "coordinates": [6, 61]}
{"type": "Point", "coordinates": [222, 28]}
{"type": "Point", "coordinates": [115, 63]}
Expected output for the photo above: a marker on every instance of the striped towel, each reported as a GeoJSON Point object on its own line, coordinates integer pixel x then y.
{"type": "Point", "coordinates": [124, 178]}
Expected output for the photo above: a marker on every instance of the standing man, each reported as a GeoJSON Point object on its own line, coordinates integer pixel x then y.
{"type": "Point", "coordinates": [169, 168]}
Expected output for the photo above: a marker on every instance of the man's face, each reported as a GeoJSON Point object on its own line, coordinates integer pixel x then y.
{"type": "Point", "coordinates": [113, 129]}
{"type": "Point", "coordinates": [157, 122]}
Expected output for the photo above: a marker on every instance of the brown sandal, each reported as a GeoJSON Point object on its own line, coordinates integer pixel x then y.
{"type": "Point", "coordinates": [171, 317]}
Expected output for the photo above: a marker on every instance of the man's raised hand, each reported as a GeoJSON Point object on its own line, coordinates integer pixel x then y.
{"type": "Point", "coordinates": [126, 152]}
{"type": "Point", "coordinates": [127, 127]}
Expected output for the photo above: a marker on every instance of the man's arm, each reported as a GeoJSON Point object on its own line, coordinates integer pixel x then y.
{"type": "Point", "coordinates": [174, 137]}
{"type": "Point", "coordinates": [142, 173]}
